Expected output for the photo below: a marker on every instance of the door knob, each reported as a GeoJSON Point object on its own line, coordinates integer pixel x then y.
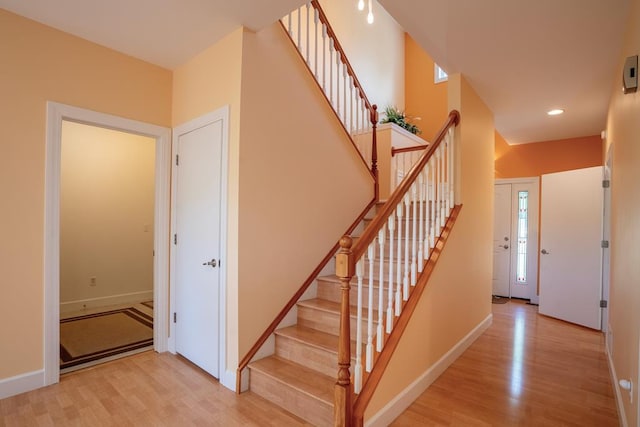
{"type": "Point", "coordinates": [213, 263]}
{"type": "Point", "coordinates": [506, 239]}
{"type": "Point", "coordinates": [506, 246]}
{"type": "Point", "coordinates": [544, 252]}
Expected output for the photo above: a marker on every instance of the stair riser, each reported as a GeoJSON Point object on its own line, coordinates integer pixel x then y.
{"type": "Point", "coordinates": [300, 404]}
{"type": "Point", "coordinates": [312, 357]}
{"type": "Point", "coordinates": [331, 292]}
{"type": "Point", "coordinates": [330, 322]}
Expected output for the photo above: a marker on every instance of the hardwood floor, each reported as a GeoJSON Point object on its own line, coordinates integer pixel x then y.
{"type": "Point", "coordinates": [526, 370]}
{"type": "Point", "coordinates": [147, 389]}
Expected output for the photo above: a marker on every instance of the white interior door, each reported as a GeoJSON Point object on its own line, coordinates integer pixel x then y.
{"type": "Point", "coordinates": [570, 260]}
{"type": "Point", "coordinates": [502, 240]}
{"type": "Point", "coordinates": [197, 245]}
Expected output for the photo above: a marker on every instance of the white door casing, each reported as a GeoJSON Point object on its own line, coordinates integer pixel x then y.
{"type": "Point", "coordinates": [506, 220]}
{"type": "Point", "coordinates": [502, 240]}
{"type": "Point", "coordinates": [56, 113]}
{"type": "Point", "coordinates": [199, 224]}
{"type": "Point", "coordinates": [571, 256]}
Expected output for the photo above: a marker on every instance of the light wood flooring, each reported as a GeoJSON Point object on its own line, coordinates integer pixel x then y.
{"type": "Point", "coordinates": [525, 370]}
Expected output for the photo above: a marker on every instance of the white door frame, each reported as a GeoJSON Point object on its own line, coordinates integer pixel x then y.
{"type": "Point", "coordinates": [536, 232]}
{"type": "Point", "coordinates": [56, 113]}
{"type": "Point", "coordinates": [227, 377]}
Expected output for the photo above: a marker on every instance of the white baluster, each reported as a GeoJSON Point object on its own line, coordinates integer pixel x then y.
{"type": "Point", "coordinates": [425, 172]}
{"type": "Point", "coordinates": [331, 71]}
{"type": "Point", "coordinates": [307, 51]}
{"type": "Point", "coordinates": [452, 157]}
{"type": "Point", "coordinates": [324, 58]}
{"type": "Point", "coordinates": [405, 281]}
{"type": "Point", "coordinates": [382, 234]}
{"type": "Point", "coordinates": [358, 367]}
{"type": "Point", "coordinates": [344, 94]}
{"type": "Point", "coordinates": [315, 38]}
{"type": "Point", "coordinates": [299, 44]}
{"type": "Point", "coordinates": [441, 189]}
{"type": "Point", "coordinates": [421, 220]}
{"type": "Point", "coordinates": [351, 126]}
{"type": "Point", "coordinates": [437, 193]}
{"type": "Point", "coordinates": [391, 224]}
{"type": "Point", "coordinates": [371, 257]}
{"type": "Point", "coordinates": [289, 25]}
{"type": "Point", "coordinates": [432, 202]}
{"type": "Point", "coordinates": [414, 239]}
{"type": "Point", "coordinates": [338, 82]}
{"type": "Point", "coordinates": [399, 262]}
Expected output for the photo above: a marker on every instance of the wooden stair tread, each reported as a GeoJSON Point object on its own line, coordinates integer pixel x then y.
{"type": "Point", "coordinates": [303, 379]}
{"type": "Point", "coordinates": [313, 337]}
{"type": "Point", "coordinates": [334, 307]}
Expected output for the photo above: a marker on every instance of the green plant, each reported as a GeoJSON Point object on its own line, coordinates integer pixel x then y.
{"type": "Point", "coordinates": [393, 115]}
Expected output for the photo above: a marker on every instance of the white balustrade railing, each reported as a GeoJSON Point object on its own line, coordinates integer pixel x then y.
{"type": "Point", "coordinates": [397, 251]}
{"type": "Point", "coordinates": [311, 33]}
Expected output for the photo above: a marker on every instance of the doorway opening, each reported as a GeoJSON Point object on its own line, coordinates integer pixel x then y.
{"type": "Point", "coordinates": [107, 180]}
{"type": "Point", "coordinates": [63, 117]}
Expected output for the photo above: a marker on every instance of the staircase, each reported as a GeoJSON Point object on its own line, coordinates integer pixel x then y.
{"type": "Point", "coordinates": [338, 349]}
{"type": "Point", "coordinates": [301, 375]}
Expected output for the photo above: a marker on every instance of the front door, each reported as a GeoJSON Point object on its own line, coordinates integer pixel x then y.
{"type": "Point", "coordinates": [197, 244]}
{"type": "Point", "coordinates": [570, 241]}
{"type": "Point", "coordinates": [502, 240]}
{"type": "Point", "coordinates": [515, 241]}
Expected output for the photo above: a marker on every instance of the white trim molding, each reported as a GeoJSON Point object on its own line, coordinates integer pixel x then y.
{"type": "Point", "coordinates": [616, 387]}
{"type": "Point", "coordinates": [106, 301]}
{"type": "Point", "coordinates": [56, 113]}
{"type": "Point", "coordinates": [227, 377]}
{"type": "Point", "coordinates": [406, 397]}
{"type": "Point", "coordinates": [21, 383]}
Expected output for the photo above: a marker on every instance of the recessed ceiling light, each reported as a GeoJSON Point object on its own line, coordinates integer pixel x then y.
{"type": "Point", "coordinates": [555, 112]}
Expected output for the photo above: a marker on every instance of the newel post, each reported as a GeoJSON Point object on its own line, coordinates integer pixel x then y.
{"type": "Point", "coordinates": [374, 150]}
{"type": "Point", "coordinates": [342, 391]}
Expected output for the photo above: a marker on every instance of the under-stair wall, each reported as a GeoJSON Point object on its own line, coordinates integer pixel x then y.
{"type": "Point", "coordinates": [302, 182]}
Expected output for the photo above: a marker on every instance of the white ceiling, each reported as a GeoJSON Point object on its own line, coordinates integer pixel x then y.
{"type": "Point", "coordinates": [523, 57]}
{"type": "Point", "coordinates": [163, 32]}
{"type": "Point", "coordinates": [526, 57]}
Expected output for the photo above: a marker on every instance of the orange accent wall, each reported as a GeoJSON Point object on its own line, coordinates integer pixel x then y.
{"type": "Point", "coordinates": [422, 97]}
{"type": "Point", "coordinates": [524, 160]}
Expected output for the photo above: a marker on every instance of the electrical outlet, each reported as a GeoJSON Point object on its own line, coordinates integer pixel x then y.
{"type": "Point", "coordinates": [92, 281]}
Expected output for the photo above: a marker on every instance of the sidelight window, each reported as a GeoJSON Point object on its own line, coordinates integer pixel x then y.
{"type": "Point", "coordinates": [523, 236]}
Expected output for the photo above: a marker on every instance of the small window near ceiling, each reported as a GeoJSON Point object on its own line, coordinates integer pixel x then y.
{"type": "Point", "coordinates": [439, 74]}
{"type": "Point", "coordinates": [523, 236]}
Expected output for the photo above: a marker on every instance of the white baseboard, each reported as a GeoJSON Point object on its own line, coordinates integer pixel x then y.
{"type": "Point", "coordinates": [405, 398]}
{"type": "Point", "coordinates": [21, 383]}
{"type": "Point", "coordinates": [617, 392]}
{"type": "Point", "coordinates": [130, 298]}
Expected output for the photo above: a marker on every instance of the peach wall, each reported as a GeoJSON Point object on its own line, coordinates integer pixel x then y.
{"type": "Point", "coordinates": [205, 83]}
{"type": "Point", "coordinates": [107, 186]}
{"type": "Point", "coordinates": [458, 295]}
{"type": "Point", "coordinates": [535, 159]}
{"type": "Point", "coordinates": [423, 97]}
{"type": "Point", "coordinates": [41, 64]}
{"type": "Point", "coordinates": [623, 130]}
{"type": "Point", "coordinates": [302, 183]}
{"type": "Point", "coordinates": [376, 52]}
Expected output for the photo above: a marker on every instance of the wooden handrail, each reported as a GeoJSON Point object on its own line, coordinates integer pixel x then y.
{"type": "Point", "coordinates": [323, 18]}
{"type": "Point", "coordinates": [395, 151]}
{"type": "Point", "coordinates": [294, 299]}
{"type": "Point", "coordinates": [364, 397]}
{"type": "Point", "coordinates": [371, 231]}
